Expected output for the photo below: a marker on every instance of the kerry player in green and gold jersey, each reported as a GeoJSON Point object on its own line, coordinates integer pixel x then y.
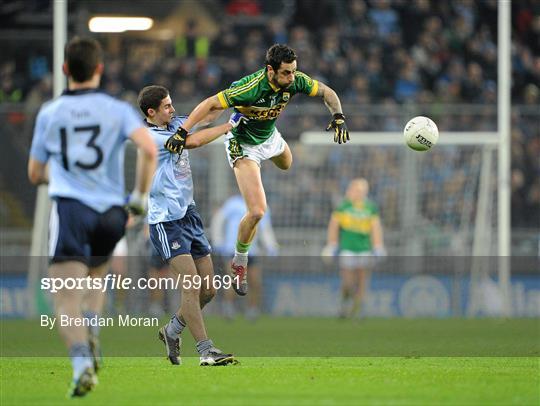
{"type": "Point", "coordinates": [355, 234]}
{"type": "Point", "coordinates": [260, 97]}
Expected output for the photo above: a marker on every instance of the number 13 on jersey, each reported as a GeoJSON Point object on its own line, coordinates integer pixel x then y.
{"type": "Point", "coordinates": [91, 148]}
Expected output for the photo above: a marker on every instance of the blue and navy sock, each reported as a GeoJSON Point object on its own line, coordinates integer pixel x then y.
{"type": "Point", "coordinates": [204, 345]}
{"type": "Point", "coordinates": [175, 326]}
{"type": "Point", "coordinates": [90, 315]}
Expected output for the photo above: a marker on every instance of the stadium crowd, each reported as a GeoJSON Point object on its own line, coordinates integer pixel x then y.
{"type": "Point", "coordinates": [392, 54]}
{"type": "Point", "coordinates": [444, 52]}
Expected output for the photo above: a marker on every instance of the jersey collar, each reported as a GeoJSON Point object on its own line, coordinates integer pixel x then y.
{"type": "Point", "coordinates": [274, 87]}
{"type": "Point", "coordinates": [168, 127]}
{"type": "Point", "coordinates": [148, 124]}
{"type": "Point", "coordinates": [152, 125]}
{"type": "Point", "coordinates": [357, 205]}
{"type": "Point", "coordinates": [76, 92]}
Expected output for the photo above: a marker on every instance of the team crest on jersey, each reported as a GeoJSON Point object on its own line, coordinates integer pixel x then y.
{"type": "Point", "coordinates": [286, 96]}
{"type": "Point", "coordinates": [175, 245]}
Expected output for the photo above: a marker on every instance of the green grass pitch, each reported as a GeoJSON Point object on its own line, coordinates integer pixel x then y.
{"type": "Point", "coordinates": [292, 361]}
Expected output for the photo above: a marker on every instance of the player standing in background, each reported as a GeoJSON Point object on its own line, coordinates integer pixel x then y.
{"type": "Point", "coordinates": [355, 233]}
{"type": "Point", "coordinates": [78, 148]}
{"type": "Point", "coordinates": [261, 97]}
{"type": "Point", "coordinates": [224, 228]}
{"type": "Point", "coordinates": [176, 229]}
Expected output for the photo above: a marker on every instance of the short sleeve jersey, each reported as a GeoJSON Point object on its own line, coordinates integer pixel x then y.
{"type": "Point", "coordinates": [355, 225]}
{"type": "Point", "coordinates": [171, 192]}
{"type": "Point", "coordinates": [262, 102]}
{"type": "Point", "coordinates": [82, 134]}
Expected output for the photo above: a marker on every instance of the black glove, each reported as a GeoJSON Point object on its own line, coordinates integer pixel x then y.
{"type": "Point", "coordinates": [137, 203]}
{"type": "Point", "coordinates": [177, 142]}
{"type": "Point", "coordinates": [341, 133]}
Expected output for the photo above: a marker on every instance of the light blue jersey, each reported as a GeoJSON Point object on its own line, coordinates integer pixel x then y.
{"type": "Point", "coordinates": [82, 135]}
{"type": "Point", "coordinates": [172, 186]}
{"type": "Point", "coordinates": [225, 228]}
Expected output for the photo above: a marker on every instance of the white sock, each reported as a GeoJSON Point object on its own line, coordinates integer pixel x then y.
{"type": "Point", "coordinates": [240, 258]}
{"type": "Point", "coordinates": [80, 359]}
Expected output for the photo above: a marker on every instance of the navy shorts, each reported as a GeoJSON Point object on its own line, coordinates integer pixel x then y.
{"type": "Point", "coordinates": [181, 237]}
{"type": "Point", "coordinates": [79, 233]}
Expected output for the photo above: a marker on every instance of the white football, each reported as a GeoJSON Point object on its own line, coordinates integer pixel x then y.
{"type": "Point", "coordinates": [421, 133]}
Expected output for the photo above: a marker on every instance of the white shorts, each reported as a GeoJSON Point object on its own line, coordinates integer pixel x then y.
{"type": "Point", "coordinates": [273, 146]}
{"type": "Point", "coordinates": [354, 260]}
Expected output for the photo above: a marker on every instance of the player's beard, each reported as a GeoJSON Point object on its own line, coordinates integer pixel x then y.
{"type": "Point", "coordinates": [282, 87]}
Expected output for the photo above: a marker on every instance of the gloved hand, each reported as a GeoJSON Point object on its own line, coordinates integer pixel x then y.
{"type": "Point", "coordinates": [328, 253]}
{"type": "Point", "coordinates": [137, 203]}
{"type": "Point", "coordinates": [236, 119]}
{"type": "Point", "coordinates": [341, 133]}
{"type": "Point", "coordinates": [177, 142]}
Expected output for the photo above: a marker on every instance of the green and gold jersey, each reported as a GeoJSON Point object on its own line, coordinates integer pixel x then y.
{"type": "Point", "coordinates": [262, 102]}
{"type": "Point", "coordinates": [355, 225]}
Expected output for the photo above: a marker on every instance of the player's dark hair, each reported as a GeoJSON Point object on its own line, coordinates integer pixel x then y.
{"type": "Point", "coordinates": [82, 56]}
{"type": "Point", "coordinates": [279, 53]}
{"type": "Point", "coordinates": [150, 97]}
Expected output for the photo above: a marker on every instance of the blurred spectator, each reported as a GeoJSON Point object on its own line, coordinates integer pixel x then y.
{"type": "Point", "coordinates": [451, 45]}
{"type": "Point", "coordinates": [192, 44]}
{"type": "Point", "coordinates": [40, 93]}
{"type": "Point", "coordinates": [387, 53]}
{"type": "Point", "coordinates": [10, 86]}
{"type": "Point", "coordinates": [518, 200]}
{"type": "Point", "coordinates": [473, 83]}
{"type": "Point", "coordinates": [276, 32]}
{"type": "Point", "coordinates": [243, 7]}
{"type": "Point", "coordinates": [407, 84]}
{"type": "Point", "coordinates": [314, 15]}
{"type": "Point", "coordinates": [385, 18]}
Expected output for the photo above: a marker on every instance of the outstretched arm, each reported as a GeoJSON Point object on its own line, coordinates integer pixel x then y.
{"type": "Point", "coordinates": [206, 107]}
{"type": "Point", "coordinates": [331, 99]}
{"type": "Point", "coordinates": [203, 137]}
{"type": "Point", "coordinates": [210, 118]}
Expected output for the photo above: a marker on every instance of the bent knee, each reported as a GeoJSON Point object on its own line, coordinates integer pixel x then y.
{"type": "Point", "coordinates": [283, 164]}
{"type": "Point", "coordinates": [257, 213]}
{"type": "Point", "coordinates": [286, 165]}
{"type": "Point", "coordinates": [207, 295]}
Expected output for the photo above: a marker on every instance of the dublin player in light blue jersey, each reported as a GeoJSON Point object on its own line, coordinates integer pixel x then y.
{"type": "Point", "coordinates": [78, 149]}
{"type": "Point", "coordinates": [176, 229]}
